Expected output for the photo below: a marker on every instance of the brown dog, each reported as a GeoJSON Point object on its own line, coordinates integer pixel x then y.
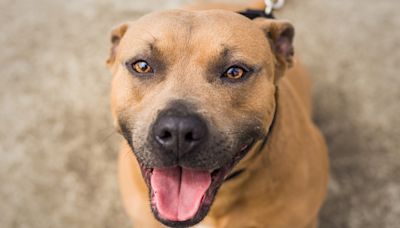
{"type": "Point", "coordinates": [214, 126]}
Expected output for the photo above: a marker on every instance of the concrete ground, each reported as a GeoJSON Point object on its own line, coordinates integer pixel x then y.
{"type": "Point", "coordinates": [58, 148]}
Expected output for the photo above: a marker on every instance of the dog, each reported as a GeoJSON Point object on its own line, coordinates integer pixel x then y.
{"type": "Point", "coordinates": [215, 112]}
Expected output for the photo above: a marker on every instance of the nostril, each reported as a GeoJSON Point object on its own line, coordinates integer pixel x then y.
{"type": "Point", "coordinates": [165, 135]}
{"type": "Point", "coordinates": [189, 137]}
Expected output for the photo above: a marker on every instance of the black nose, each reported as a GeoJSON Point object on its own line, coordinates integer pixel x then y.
{"type": "Point", "coordinates": [179, 134]}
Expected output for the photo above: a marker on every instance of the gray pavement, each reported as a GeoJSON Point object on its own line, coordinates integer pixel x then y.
{"type": "Point", "coordinates": [57, 146]}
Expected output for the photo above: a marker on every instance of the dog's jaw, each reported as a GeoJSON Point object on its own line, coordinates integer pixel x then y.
{"type": "Point", "coordinates": [217, 179]}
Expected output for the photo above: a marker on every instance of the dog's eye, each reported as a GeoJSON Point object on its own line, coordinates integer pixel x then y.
{"type": "Point", "coordinates": [142, 67]}
{"type": "Point", "coordinates": [234, 73]}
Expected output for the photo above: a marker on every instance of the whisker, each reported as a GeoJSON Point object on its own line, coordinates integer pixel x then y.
{"type": "Point", "coordinates": [126, 153]}
{"type": "Point", "coordinates": [108, 136]}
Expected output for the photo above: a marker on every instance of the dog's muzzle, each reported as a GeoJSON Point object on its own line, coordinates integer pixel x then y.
{"type": "Point", "coordinates": [185, 160]}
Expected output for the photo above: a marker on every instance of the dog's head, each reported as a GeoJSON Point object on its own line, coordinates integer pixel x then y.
{"type": "Point", "coordinates": [192, 92]}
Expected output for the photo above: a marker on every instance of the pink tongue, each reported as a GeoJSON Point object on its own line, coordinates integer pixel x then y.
{"type": "Point", "coordinates": [178, 191]}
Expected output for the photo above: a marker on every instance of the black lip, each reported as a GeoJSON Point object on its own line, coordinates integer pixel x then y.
{"type": "Point", "coordinates": [218, 177]}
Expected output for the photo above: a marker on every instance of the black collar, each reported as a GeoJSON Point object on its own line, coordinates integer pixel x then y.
{"type": "Point", "coordinates": [251, 14]}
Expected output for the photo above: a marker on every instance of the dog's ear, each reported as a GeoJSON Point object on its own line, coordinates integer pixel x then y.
{"type": "Point", "coordinates": [280, 34]}
{"type": "Point", "coordinates": [116, 35]}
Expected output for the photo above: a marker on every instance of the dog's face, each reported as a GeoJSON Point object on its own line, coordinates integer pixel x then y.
{"type": "Point", "coordinates": [192, 92]}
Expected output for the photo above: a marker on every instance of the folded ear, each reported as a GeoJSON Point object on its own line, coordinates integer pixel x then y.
{"type": "Point", "coordinates": [280, 34]}
{"type": "Point", "coordinates": [116, 35]}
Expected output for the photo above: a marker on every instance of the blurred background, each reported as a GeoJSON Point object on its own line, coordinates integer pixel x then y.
{"type": "Point", "coordinates": [58, 148]}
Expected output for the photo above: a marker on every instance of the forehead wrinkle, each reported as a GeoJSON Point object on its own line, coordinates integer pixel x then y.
{"type": "Point", "coordinates": [228, 54]}
{"type": "Point", "coordinates": [227, 51]}
{"type": "Point", "coordinates": [154, 39]}
{"type": "Point", "coordinates": [134, 44]}
{"type": "Point", "coordinates": [144, 35]}
{"type": "Point", "coordinates": [150, 43]}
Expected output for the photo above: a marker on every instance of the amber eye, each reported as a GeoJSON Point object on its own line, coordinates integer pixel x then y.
{"type": "Point", "coordinates": [142, 67]}
{"type": "Point", "coordinates": [234, 72]}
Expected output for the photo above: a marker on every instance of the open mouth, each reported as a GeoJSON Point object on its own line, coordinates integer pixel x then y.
{"type": "Point", "coordinates": [182, 196]}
